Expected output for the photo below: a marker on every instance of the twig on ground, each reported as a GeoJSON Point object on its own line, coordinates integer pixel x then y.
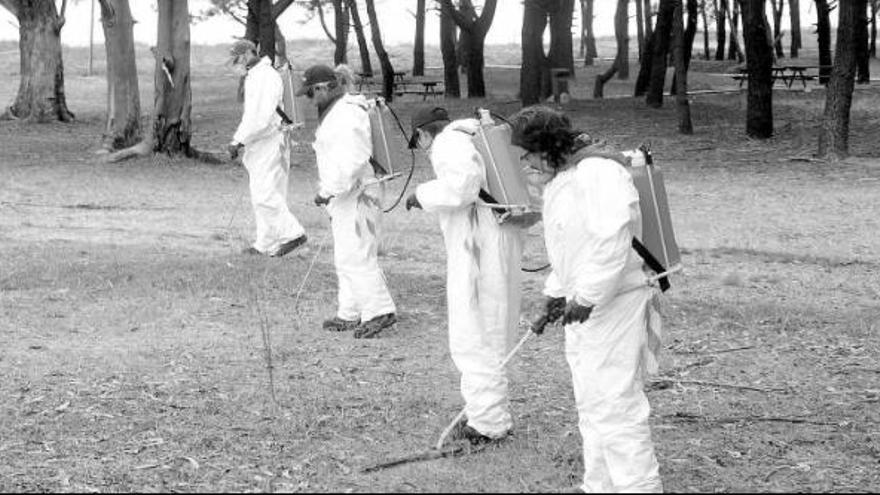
{"type": "Point", "coordinates": [692, 417]}
{"type": "Point", "coordinates": [720, 351]}
{"type": "Point", "coordinates": [662, 383]}
{"type": "Point", "coordinates": [427, 455]}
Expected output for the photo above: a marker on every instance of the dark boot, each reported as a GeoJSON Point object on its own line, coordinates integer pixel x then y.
{"type": "Point", "coordinates": [374, 326]}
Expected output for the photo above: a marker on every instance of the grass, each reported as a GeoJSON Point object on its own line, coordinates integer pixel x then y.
{"type": "Point", "coordinates": [133, 361]}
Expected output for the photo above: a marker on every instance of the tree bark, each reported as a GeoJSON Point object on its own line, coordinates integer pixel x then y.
{"type": "Point", "coordinates": [640, 28]}
{"type": "Point", "coordinates": [734, 51]}
{"type": "Point", "coordinates": [690, 32]}
{"type": "Point", "coordinates": [875, 5]}
{"type": "Point", "coordinates": [778, 10]}
{"type": "Point", "coordinates": [172, 104]}
{"type": "Point", "coordinates": [823, 35]}
{"type": "Point", "coordinates": [759, 59]}
{"type": "Point", "coordinates": [384, 60]}
{"type": "Point", "coordinates": [452, 87]}
{"type": "Point", "coordinates": [123, 128]}
{"type": "Point", "coordinates": [340, 27]}
{"type": "Point", "coordinates": [589, 34]}
{"type": "Point", "coordinates": [643, 80]}
{"type": "Point", "coordinates": [260, 27]}
{"type": "Point", "coordinates": [621, 60]}
{"type": "Point", "coordinates": [705, 18]}
{"type": "Point", "coordinates": [863, 61]}
{"type": "Point", "coordinates": [679, 38]}
{"type": "Point", "coordinates": [477, 29]}
{"type": "Point", "coordinates": [662, 31]}
{"type": "Point", "coordinates": [418, 68]}
{"type": "Point", "coordinates": [834, 133]}
{"type": "Point", "coordinates": [621, 33]}
{"type": "Point", "coordinates": [794, 14]}
{"type": "Point", "coordinates": [366, 65]}
{"type": "Point", "coordinates": [532, 88]}
{"type": "Point", "coordinates": [720, 28]}
{"type": "Point", "coordinates": [561, 53]}
{"type": "Point", "coordinates": [40, 96]}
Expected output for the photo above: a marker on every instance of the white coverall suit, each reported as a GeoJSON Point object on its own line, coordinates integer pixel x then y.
{"type": "Point", "coordinates": [266, 158]}
{"type": "Point", "coordinates": [343, 147]}
{"type": "Point", "coordinates": [591, 213]}
{"type": "Point", "coordinates": [482, 278]}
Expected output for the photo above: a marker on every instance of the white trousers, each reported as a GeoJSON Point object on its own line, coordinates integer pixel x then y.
{"type": "Point", "coordinates": [483, 299]}
{"type": "Point", "coordinates": [268, 162]}
{"type": "Point", "coordinates": [605, 355]}
{"type": "Point", "coordinates": [354, 221]}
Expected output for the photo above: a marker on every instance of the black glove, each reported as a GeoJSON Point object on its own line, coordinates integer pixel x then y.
{"type": "Point", "coordinates": [321, 200]}
{"type": "Point", "coordinates": [576, 313]}
{"type": "Point", "coordinates": [553, 310]}
{"type": "Point", "coordinates": [234, 149]}
{"type": "Point", "coordinates": [412, 201]}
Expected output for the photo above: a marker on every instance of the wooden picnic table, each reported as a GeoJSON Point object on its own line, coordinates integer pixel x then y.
{"type": "Point", "coordinates": [788, 74]}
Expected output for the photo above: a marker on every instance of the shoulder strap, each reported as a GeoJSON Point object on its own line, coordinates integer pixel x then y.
{"type": "Point", "coordinates": [652, 262]}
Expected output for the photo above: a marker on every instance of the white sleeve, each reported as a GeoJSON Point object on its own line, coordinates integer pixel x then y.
{"type": "Point", "coordinates": [600, 250]}
{"type": "Point", "coordinates": [261, 96]}
{"type": "Point", "coordinates": [343, 163]}
{"type": "Point", "coordinates": [552, 287]}
{"type": "Point", "coordinates": [459, 172]}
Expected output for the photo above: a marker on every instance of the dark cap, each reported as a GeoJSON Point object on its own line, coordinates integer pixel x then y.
{"type": "Point", "coordinates": [423, 117]}
{"type": "Point", "coordinates": [315, 74]}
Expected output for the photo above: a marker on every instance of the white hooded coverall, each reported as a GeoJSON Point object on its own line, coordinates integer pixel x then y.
{"type": "Point", "coordinates": [482, 277]}
{"type": "Point", "coordinates": [591, 213]}
{"type": "Point", "coordinates": [266, 158]}
{"type": "Point", "coordinates": [343, 147]}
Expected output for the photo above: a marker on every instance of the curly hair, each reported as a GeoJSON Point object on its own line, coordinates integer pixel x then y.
{"type": "Point", "coordinates": [541, 129]}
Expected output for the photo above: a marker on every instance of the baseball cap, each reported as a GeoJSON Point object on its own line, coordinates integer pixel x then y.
{"type": "Point", "coordinates": [315, 74]}
{"type": "Point", "coordinates": [423, 117]}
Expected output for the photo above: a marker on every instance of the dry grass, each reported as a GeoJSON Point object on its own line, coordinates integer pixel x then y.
{"type": "Point", "coordinates": [132, 356]}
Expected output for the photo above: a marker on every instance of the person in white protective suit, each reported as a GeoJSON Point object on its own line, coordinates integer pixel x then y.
{"type": "Point", "coordinates": [266, 155]}
{"type": "Point", "coordinates": [347, 188]}
{"type": "Point", "coordinates": [483, 270]}
{"type": "Point", "coordinates": [597, 287]}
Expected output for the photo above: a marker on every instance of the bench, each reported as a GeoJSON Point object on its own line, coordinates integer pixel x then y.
{"type": "Point", "coordinates": [432, 88]}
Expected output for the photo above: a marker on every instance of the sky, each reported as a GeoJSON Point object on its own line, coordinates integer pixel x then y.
{"type": "Point", "coordinates": [397, 23]}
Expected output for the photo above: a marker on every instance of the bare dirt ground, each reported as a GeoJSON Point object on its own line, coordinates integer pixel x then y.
{"type": "Point", "coordinates": [130, 337]}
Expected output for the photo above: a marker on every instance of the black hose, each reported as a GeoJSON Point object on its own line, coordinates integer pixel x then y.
{"type": "Point", "coordinates": [412, 167]}
{"type": "Point", "coordinates": [536, 270]}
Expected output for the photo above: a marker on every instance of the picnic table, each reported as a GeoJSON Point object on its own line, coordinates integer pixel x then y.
{"type": "Point", "coordinates": [788, 74]}
{"type": "Point", "coordinates": [402, 85]}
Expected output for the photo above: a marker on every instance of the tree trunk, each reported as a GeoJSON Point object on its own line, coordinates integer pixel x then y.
{"type": "Point", "coordinates": [690, 32]}
{"type": "Point", "coordinates": [123, 128]}
{"type": "Point", "coordinates": [875, 4]}
{"type": "Point", "coordinates": [640, 28]}
{"type": "Point", "coordinates": [720, 28]}
{"type": "Point", "coordinates": [534, 63]}
{"type": "Point", "coordinates": [823, 34]}
{"type": "Point", "coordinates": [418, 68]}
{"type": "Point", "coordinates": [649, 24]}
{"type": "Point", "coordinates": [706, 54]}
{"type": "Point", "coordinates": [589, 34]}
{"type": "Point", "coordinates": [561, 54]}
{"type": "Point", "coordinates": [252, 22]}
{"type": "Point", "coordinates": [465, 38]}
{"type": "Point", "coordinates": [340, 27]}
{"type": "Point", "coordinates": [683, 109]}
{"type": "Point", "coordinates": [477, 30]}
{"type": "Point", "coordinates": [834, 133]}
{"type": "Point", "coordinates": [621, 33]}
{"type": "Point", "coordinates": [366, 65]}
{"type": "Point", "coordinates": [384, 61]}
{"type": "Point", "coordinates": [267, 30]}
{"type": "Point", "coordinates": [863, 61]}
{"type": "Point", "coordinates": [452, 87]}
{"type": "Point", "coordinates": [794, 13]}
{"type": "Point", "coordinates": [643, 80]}
{"type": "Point", "coordinates": [40, 96]}
{"type": "Point", "coordinates": [734, 51]}
{"type": "Point", "coordinates": [778, 10]}
{"type": "Point", "coordinates": [172, 106]}
{"type": "Point", "coordinates": [759, 59]}
{"type": "Point", "coordinates": [654, 95]}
